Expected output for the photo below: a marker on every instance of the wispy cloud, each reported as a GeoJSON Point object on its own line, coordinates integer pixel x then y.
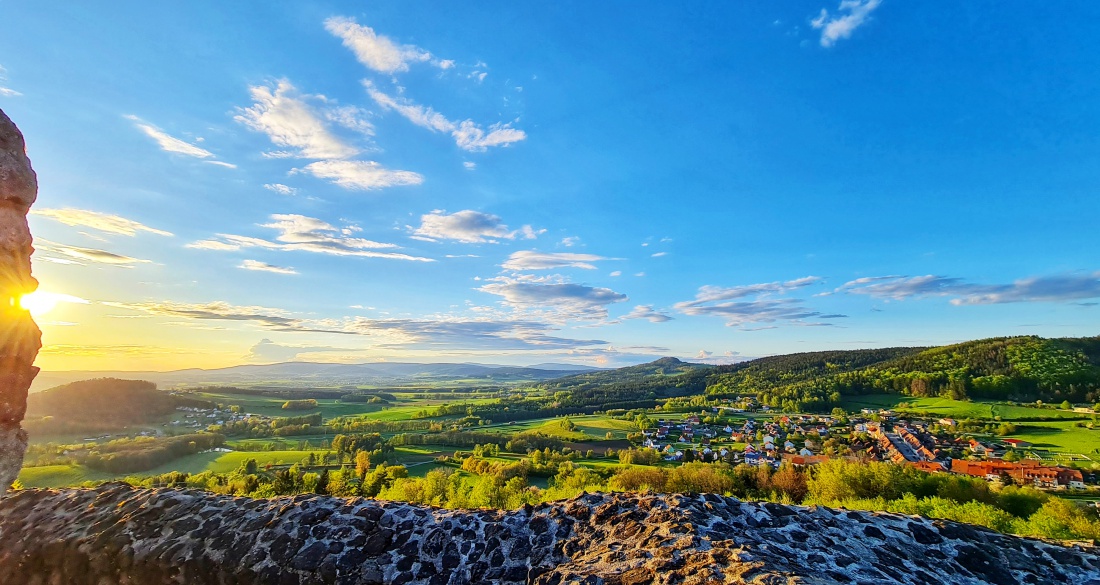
{"type": "Point", "coordinates": [290, 121]}
{"type": "Point", "coordinates": [379, 52]}
{"type": "Point", "coordinates": [468, 226]}
{"type": "Point", "coordinates": [467, 333]}
{"type": "Point", "coordinates": [467, 134]}
{"type": "Point", "coordinates": [307, 234]}
{"type": "Point", "coordinates": [169, 143]}
{"type": "Point", "coordinates": [724, 302]}
{"type": "Point", "coordinates": [851, 14]}
{"type": "Point", "coordinates": [275, 319]}
{"type": "Point", "coordinates": [103, 222]}
{"type": "Point", "coordinates": [534, 260]}
{"type": "Point", "coordinates": [646, 312]}
{"type": "Point", "coordinates": [6, 91]}
{"type": "Point", "coordinates": [1053, 289]}
{"type": "Point", "coordinates": [265, 267]}
{"type": "Point", "coordinates": [708, 293]}
{"type": "Point", "coordinates": [281, 189]}
{"type": "Point", "coordinates": [434, 332]}
{"type": "Point", "coordinates": [360, 175]}
{"type": "Point", "coordinates": [269, 351]}
{"type": "Point", "coordinates": [89, 254]}
{"type": "Point", "coordinates": [560, 299]}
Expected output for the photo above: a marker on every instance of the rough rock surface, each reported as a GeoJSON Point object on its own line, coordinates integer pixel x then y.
{"type": "Point", "coordinates": [20, 338]}
{"type": "Point", "coordinates": [119, 534]}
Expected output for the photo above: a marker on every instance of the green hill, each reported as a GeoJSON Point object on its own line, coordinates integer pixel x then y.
{"type": "Point", "coordinates": [664, 378]}
{"type": "Point", "coordinates": [104, 403]}
{"type": "Point", "coordinates": [1008, 368]}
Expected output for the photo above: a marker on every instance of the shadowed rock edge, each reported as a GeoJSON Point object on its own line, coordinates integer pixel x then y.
{"type": "Point", "coordinates": [20, 338]}
{"type": "Point", "coordinates": [120, 534]}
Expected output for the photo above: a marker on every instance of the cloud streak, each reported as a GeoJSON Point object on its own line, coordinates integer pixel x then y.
{"type": "Point", "coordinates": [467, 134]}
{"type": "Point", "coordinates": [560, 299]}
{"type": "Point", "coordinates": [103, 222]}
{"type": "Point", "coordinates": [284, 115]}
{"type": "Point", "coordinates": [851, 14]}
{"type": "Point", "coordinates": [258, 266]}
{"type": "Point", "coordinates": [469, 227]}
{"type": "Point", "coordinates": [360, 175]}
{"type": "Point", "coordinates": [307, 234]}
{"type": "Point", "coordinates": [1052, 289]}
{"type": "Point", "coordinates": [424, 333]}
{"type": "Point", "coordinates": [727, 303]}
{"type": "Point", "coordinates": [534, 260]}
{"type": "Point", "coordinates": [378, 52]}
{"type": "Point", "coordinates": [89, 254]}
{"type": "Point", "coordinates": [172, 144]}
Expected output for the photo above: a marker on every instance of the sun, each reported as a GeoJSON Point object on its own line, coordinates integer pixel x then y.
{"type": "Point", "coordinates": [41, 302]}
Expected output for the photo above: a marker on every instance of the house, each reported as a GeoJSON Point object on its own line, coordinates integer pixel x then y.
{"type": "Point", "coordinates": [1016, 443]}
{"type": "Point", "coordinates": [788, 446]}
{"type": "Point", "coordinates": [804, 452]}
{"type": "Point", "coordinates": [977, 448]}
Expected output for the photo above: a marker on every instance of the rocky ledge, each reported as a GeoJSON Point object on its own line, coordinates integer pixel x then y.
{"type": "Point", "coordinates": [119, 534]}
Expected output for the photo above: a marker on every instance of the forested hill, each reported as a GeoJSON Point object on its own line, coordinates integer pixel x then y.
{"type": "Point", "coordinates": [1009, 368]}
{"type": "Point", "coordinates": [664, 378]}
{"type": "Point", "coordinates": [106, 400]}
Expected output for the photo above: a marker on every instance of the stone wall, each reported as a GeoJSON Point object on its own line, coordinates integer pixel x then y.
{"type": "Point", "coordinates": [119, 534]}
{"type": "Point", "coordinates": [20, 338]}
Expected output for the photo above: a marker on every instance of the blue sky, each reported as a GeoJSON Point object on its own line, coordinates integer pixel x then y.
{"type": "Point", "coordinates": [598, 184]}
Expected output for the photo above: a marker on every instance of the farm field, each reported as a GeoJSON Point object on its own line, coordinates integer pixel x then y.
{"type": "Point", "coordinates": [1058, 436]}
{"type": "Point", "coordinates": [958, 409]}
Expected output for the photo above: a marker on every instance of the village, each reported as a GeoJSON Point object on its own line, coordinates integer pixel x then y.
{"type": "Point", "coordinates": [806, 439]}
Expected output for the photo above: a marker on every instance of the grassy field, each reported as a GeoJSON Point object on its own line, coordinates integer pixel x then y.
{"type": "Point", "coordinates": [958, 409]}
{"type": "Point", "coordinates": [1058, 436]}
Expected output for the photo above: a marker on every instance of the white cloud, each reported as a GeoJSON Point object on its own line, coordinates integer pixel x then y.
{"type": "Point", "coordinates": [289, 121]}
{"type": "Point", "coordinates": [376, 51]}
{"type": "Point", "coordinates": [281, 189]}
{"type": "Point", "coordinates": [570, 241]}
{"type": "Point", "coordinates": [307, 234]}
{"type": "Point", "coordinates": [219, 163]}
{"type": "Point", "coordinates": [5, 91]}
{"type": "Point", "coordinates": [469, 227]}
{"type": "Point", "coordinates": [727, 303]}
{"type": "Point", "coordinates": [708, 293]}
{"type": "Point", "coordinates": [89, 254]}
{"type": "Point", "coordinates": [169, 143]}
{"type": "Point", "coordinates": [534, 260]}
{"type": "Point", "coordinates": [841, 26]}
{"type": "Point", "coordinates": [1057, 288]}
{"type": "Point", "coordinates": [658, 254]}
{"type": "Point", "coordinates": [268, 351]}
{"type": "Point", "coordinates": [469, 165]}
{"type": "Point", "coordinates": [265, 267]}
{"type": "Point", "coordinates": [616, 273]}
{"type": "Point", "coordinates": [563, 300]}
{"type": "Point", "coordinates": [360, 175]}
{"type": "Point", "coordinates": [646, 312]}
{"type": "Point", "coordinates": [467, 134]}
{"type": "Point", "coordinates": [103, 222]}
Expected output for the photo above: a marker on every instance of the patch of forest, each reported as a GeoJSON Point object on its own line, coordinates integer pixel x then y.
{"type": "Point", "coordinates": [1007, 368]}
{"type": "Point", "coordinates": [104, 403]}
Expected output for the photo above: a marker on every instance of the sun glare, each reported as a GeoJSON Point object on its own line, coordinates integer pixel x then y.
{"type": "Point", "coordinates": [41, 302]}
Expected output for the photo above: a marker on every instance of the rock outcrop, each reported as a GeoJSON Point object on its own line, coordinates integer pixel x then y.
{"type": "Point", "coordinates": [20, 338]}
{"type": "Point", "coordinates": [119, 534]}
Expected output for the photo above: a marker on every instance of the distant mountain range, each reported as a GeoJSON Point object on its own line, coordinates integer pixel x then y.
{"type": "Point", "coordinates": [298, 374]}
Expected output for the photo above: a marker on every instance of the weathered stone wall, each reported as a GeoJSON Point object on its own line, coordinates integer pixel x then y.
{"type": "Point", "coordinates": [118, 534]}
{"type": "Point", "coordinates": [20, 338]}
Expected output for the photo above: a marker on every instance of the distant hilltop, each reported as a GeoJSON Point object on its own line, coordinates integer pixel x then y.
{"type": "Point", "coordinates": [325, 374]}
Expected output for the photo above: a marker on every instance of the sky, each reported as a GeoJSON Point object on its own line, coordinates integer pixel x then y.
{"type": "Point", "coordinates": [568, 182]}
